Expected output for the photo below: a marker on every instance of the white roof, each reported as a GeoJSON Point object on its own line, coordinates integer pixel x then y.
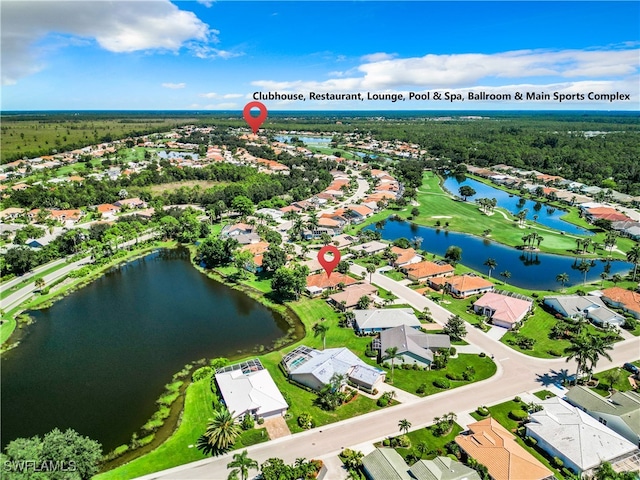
{"type": "Point", "coordinates": [579, 437]}
{"type": "Point", "coordinates": [386, 318]}
{"type": "Point", "coordinates": [253, 391]}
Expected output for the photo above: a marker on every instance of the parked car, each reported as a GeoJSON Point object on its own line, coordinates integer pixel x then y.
{"type": "Point", "coordinates": [630, 367]}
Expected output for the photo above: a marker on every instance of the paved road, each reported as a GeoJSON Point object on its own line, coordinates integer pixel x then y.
{"type": "Point", "coordinates": [15, 281]}
{"type": "Point", "coordinates": [516, 373]}
{"type": "Point", "coordinates": [25, 292]}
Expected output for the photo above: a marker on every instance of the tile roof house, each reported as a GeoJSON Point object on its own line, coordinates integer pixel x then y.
{"type": "Point", "coordinates": [466, 285]}
{"type": "Point", "coordinates": [254, 393]}
{"type": "Point", "coordinates": [315, 368]}
{"type": "Point", "coordinates": [107, 209]}
{"type": "Point", "coordinates": [236, 229]}
{"type": "Point", "coordinates": [625, 299]}
{"type": "Point", "coordinates": [580, 441]}
{"type": "Point", "coordinates": [352, 294]}
{"type": "Point", "coordinates": [442, 468]}
{"type": "Point", "coordinates": [414, 346]}
{"type": "Point", "coordinates": [620, 412]}
{"type": "Point", "coordinates": [424, 270]}
{"type": "Point", "coordinates": [504, 311]}
{"type": "Point", "coordinates": [131, 203]}
{"type": "Point", "coordinates": [385, 464]}
{"type": "Point", "coordinates": [585, 306]}
{"type": "Point", "coordinates": [494, 447]}
{"type": "Point", "coordinates": [323, 282]}
{"type": "Point", "coordinates": [368, 322]}
{"type": "Point", "coordinates": [404, 257]}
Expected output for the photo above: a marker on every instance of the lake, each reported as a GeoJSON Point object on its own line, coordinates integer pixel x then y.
{"type": "Point", "coordinates": [315, 141]}
{"type": "Point", "coordinates": [97, 360]}
{"type": "Point", "coordinates": [546, 217]}
{"type": "Point", "coordinates": [536, 271]}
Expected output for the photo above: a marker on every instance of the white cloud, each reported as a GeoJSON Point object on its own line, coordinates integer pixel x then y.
{"type": "Point", "coordinates": [174, 86]}
{"type": "Point", "coordinates": [120, 27]}
{"type": "Point", "coordinates": [459, 70]}
{"type": "Point", "coordinates": [226, 96]}
{"type": "Point", "coordinates": [206, 3]}
{"type": "Point", "coordinates": [205, 51]}
{"type": "Point", "coordinates": [378, 57]}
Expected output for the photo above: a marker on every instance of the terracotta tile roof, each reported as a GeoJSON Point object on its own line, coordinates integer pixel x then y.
{"type": "Point", "coordinates": [65, 214]}
{"type": "Point", "coordinates": [322, 281]}
{"type": "Point", "coordinates": [630, 300]}
{"type": "Point", "coordinates": [328, 222]}
{"type": "Point", "coordinates": [493, 446]}
{"type": "Point", "coordinates": [465, 283]}
{"type": "Point", "coordinates": [427, 269]}
{"type": "Point", "coordinates": [107, 207]}
{"type": "Point", "coordinates": [404, 255]}
{"type": "Point", "coordinates": [256, 248]}
{"type": "Point", "coordinates": [353, 293]}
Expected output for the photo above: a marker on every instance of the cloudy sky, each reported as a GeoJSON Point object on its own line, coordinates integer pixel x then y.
{"type": "Point", "coordinates": [157, 54]}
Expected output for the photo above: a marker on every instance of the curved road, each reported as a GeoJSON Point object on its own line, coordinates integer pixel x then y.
{"type": "Point", "coordinates": [516, 373]}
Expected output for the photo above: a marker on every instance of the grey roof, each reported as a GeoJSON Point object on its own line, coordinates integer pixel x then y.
{"type": "Point", "coordinates": [385, 464]}
{"type": "Point", "coordinates": [409, 340]}
{"type": "Point", "coordinates": [592, 306]}
{"type": "Point", "coordinates": [385, 318]}
{"type": "Point", "coordinates": [579, 437]}
{"type": "Point", "coordinates": [625, 405]}
{"type": "Point", "coordinates": [442, 468]}
{"type": "Point", "coordinates": [324, 364]}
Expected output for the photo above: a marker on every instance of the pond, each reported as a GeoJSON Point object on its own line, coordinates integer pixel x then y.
{"type": "Point", "coordinates": [97, 360]}
{"type": "Point", "coordinates": [514, 204]}
{"type": "Point", "coordinates": [531, 270]}
{"type": "Point", "coordinates": [315, 141]}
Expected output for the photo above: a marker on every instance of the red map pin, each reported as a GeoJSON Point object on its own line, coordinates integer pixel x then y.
{"type": "Point", "coordinates": [329, 265]}
{"type": "Point", "coordinates": [254, 122]}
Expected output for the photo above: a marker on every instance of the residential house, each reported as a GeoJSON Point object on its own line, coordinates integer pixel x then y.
{"type": "Point", "coordinates": [442, 468]}
{"type": "Point", "coordinates": [315, 369]}
{"type": "Point", "coordinates": [463, 286]}
{"type": "Point", "coordinates": [131, 203]}
{"type": "Point", "coordinates": [324, 282]}
{"type": "Point", "coordinates": [107, 210]}
{"type": "Point", "coordinates": [620, 412]}
{"type": "Point", "coordinates": [580, 441]}
{"type": "Point", "coordinates": [585, 306]}
{"type": "Point", "coordinates": [40, 242]}
{"type": "Point", "coordinates": [369, 248]}
{"type": "Point", "coordinates": [504, 310]}
{"type": "Point", "coordinates": [414, 346]}
{"type": "Point", "coordinates": [355, 213]}
{"type": "Point", "coordinates": [11, 213]}
{"type": "Point", "coordinates": [494, 447]}
{"type": "Point", "coordinates": [369, 322]}
{"type": "Point", "coordinates": [257, 250]}
{"type": "Point", "coordinates": [422, 271]}
{"type": "Point", "coordinates": [385, 464]}
{"type": "Point", "coordinates": [66, 215]}
{"type": "Point", "coordinates": [349, 297]}
{"type": "Point", "coordinates": [625, 299]}
{"type": "Point", "coordinates": [404, 257]}
{"type": "Point", "coordinates": [236, 229]}
{"type": "Point", "coordinates": [250, 390]}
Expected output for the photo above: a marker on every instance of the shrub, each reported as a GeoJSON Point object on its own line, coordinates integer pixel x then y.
{"type": "Point", "coordinates": [554, 353]}
{"type": "Point", "coordinates": [421, 389]}
{"type": "Point", "coordinates": [403, 441]}
{"type": "Point", "coordinates": [517, 399]}
{"type": "Point", "coordinates": [260, 421]}
{"type": "Point", "coordinates": [518, 415]}
{"type": "Point", "coordinates": [531, 441]}
{"type": "Point", "coordinates": [247, 422]}
{"type": "Point", "coordinates": [482, 355]}
{"type": "Point", "coordinates": [557, 462]}
{"type": "Point", "coordinates": [442, 383]}
{"type": "Point", "coordinates": [452, 351]}
{"type": "Point", "coordinates": [200, 373]}
{"type": "Point", "coordinates": [482, 411]}
{"type": "Point", "coordinates": [369, 352]}
{"type": "Point", "coordinates": [305, 420]}
{"type": "Point", "coordinates": [454, 376]}
{"type": "Point", "coordinates": [386, 442]}
{"type": "Point", "coordinates": [382, 402]}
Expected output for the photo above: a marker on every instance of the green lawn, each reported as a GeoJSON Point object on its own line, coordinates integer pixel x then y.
{"type": "Point", "coordinates": [621, 385]}
{"type": "Point", "coordinates": [395, 275]}
{"type": "Point", "coordinates": [180, 447]}
{"type": "Point", "coordinates": [410, 380]}
{"type": "Point", "coordinates": [436, 444]}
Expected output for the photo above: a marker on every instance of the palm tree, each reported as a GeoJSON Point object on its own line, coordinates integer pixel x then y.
{"type": "Point", "coordinates": [221, 433]}
{"type": "Point", "coordinates": [603, 277]}
{"type": "Point", "coordinates": [506, 274]}
{"type": "Point", "coordinates": [599, 344]}
{"type": "Point", "coordinates": [39, 283]}
{"type": "Point", "coordinates": [491, 263]}
{"type": "Point", "coordinates": [321, 330]}
{"type": "Point", "coordinates": [404, 425]}
{"type": "Point", "coordinates": [422, 448]}
{"type": "Point", "coordinates": [392, 354]}
{"type": "Point", "coordinates": [371, 268]}
{"type": "Point", "coordinates": [580, 350]}
{"type": "Point", "coordinates": [633, 256]}
{"type": "Point", "coordinates": [616, 278]}
{"type": "Point", "coordinates": [584, 266]}
{"type": "Point", "coordinates": [241, 464]}
{"type": "Point", "coordinates": [562, 278]}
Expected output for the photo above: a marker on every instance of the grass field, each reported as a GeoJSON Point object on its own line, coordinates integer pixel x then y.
{"type": "Point", "coordinates": [32, 137]}
{"type": "Point", "coordinates": [435, 443]}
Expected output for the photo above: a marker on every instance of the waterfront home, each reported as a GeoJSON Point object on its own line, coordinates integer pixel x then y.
{"type": "Point", "coordinates": [324, 282]}
{"type": "Point", "coordinates": [369, 322]}
{"type": "Point", "coordinates": [580, 441]}
{"type": "Point", "coordinates": [414, 346]}
{"type": "Point", "coordinates": [620, 412]}
{"type": "Point", "coordinates": [494, 447]}
{"type": "Point", "coordinates": [257, 250]}
{"type": "Point", "coordinates": [248, 388]}
{"type": "Point", "coordinates": [350, 296]}
{"type": "Point", "coordinates": [462, 286]}
{"type": "Point", "coordinates": [422, 271]}
{"type": "Point", "coordinates": [504, 310]}
{"type": "Point", "coordinates": [584, 306]}
{"type": "Point", "coordinates": [315, 369]}
{"type": "Point", "coordinates": [625, 299]}
{"type": "Point", "coordinates": [369, 248]}
{"type": "Point", "coordinates": [404, 257]}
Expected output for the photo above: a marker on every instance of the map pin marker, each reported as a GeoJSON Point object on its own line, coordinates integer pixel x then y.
{"type": "Point", "coordinates": [329, 265]}
{"type": "Point", "coordinates": [254, 122]}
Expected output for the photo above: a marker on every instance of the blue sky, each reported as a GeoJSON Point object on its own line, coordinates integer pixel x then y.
{"type": "Point", "coordinates": [82, 55]}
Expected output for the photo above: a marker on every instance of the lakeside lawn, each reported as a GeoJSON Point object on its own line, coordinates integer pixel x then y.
{"type": "Point", "coordinates": [180, 447]}
{"type": "Point", "coordinates": [466, 217]}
